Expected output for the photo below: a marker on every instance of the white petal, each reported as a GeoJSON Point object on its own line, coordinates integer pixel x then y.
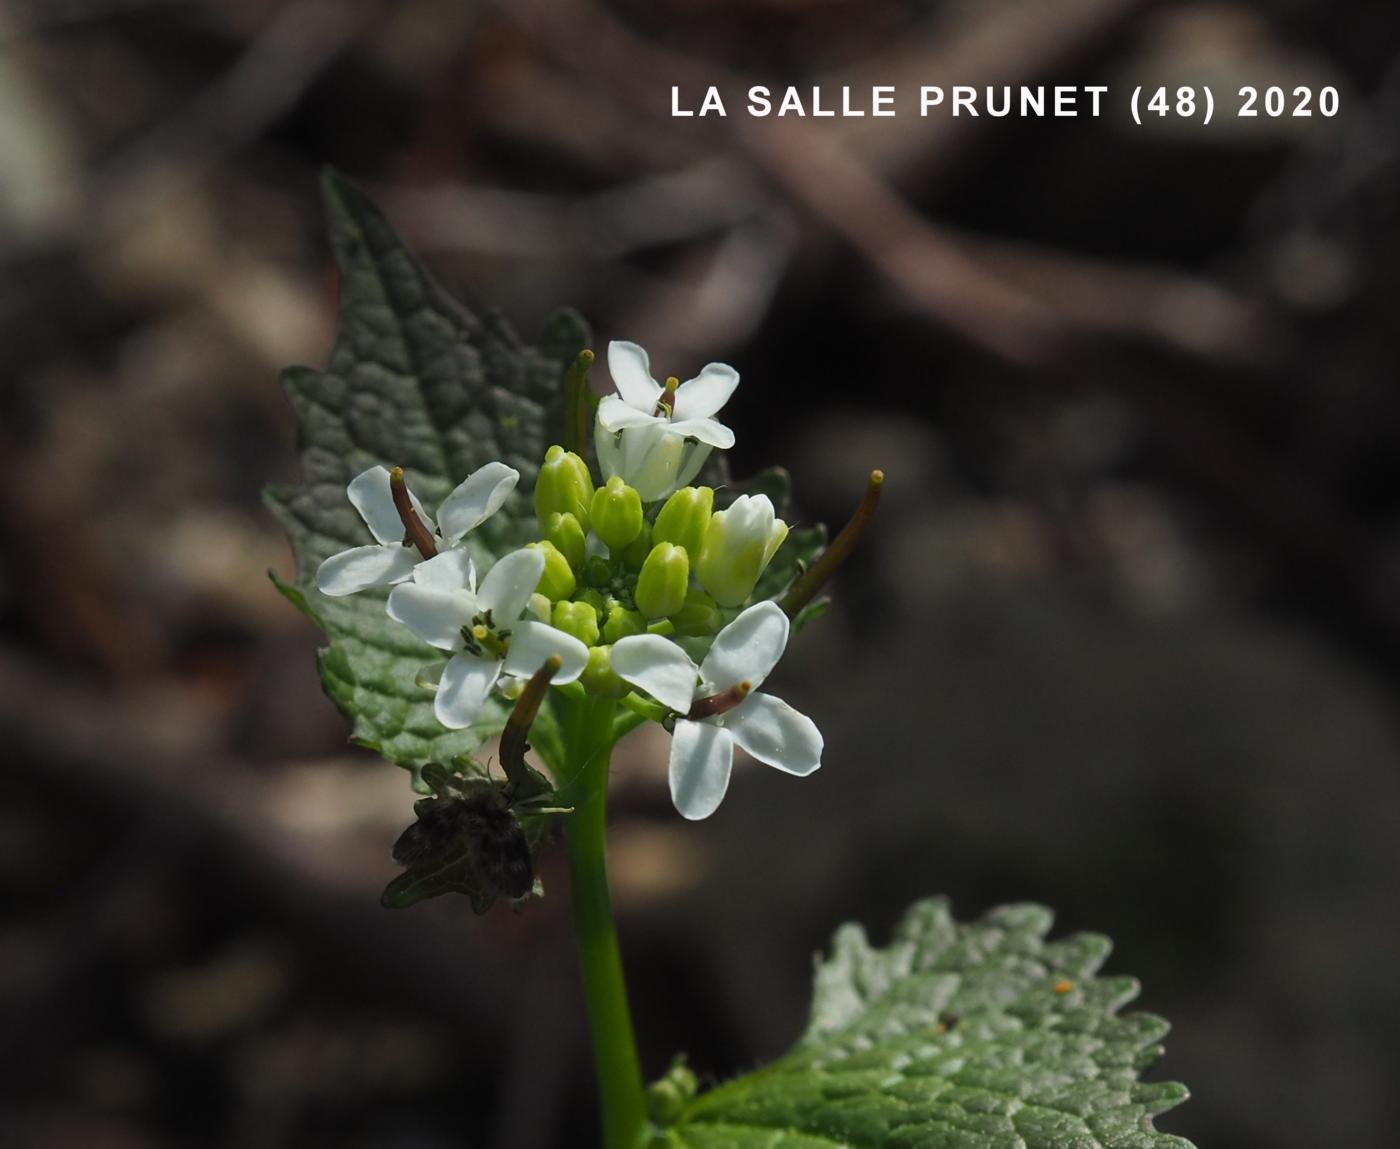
{"type": "Point", "coordinates": [702, 756]}
{"type": "Point", "coordinates": [447, 570]}
{"type": "Point", "coordinates": [614, 414]}
{"type": "Point", "coordinates": [435, 616]}
{"type": "Point", "coordinates": [508, 585]}
{"type": "Point", "coordinates": [703, 396]}
{"type": "Point", "coordinates": [362, 567]}
{"type": "Point", "coordinates": [652, 458]}
{"type": "Point", "coordinates": [747, 649]}
{"type": "Point", "coordinates": [776, 534]}
{"type": "Point", "coordinates": [696, 454]}
{"type": "Point", "coordinates": [370, 494]}
{"type": "Point", "coordinates": [609, 448]}
{"type": "Point", "coordinates": [658, 666]}
{"type": "Point", "coordinates": [466, 685]}
{"type": "Point", "coordinates": [775, 733]}
{"type": "Point", "coordinates": [706, 430]}
{"type": "Point", "coordinates": [476, 499]}
{"type": "Point", "coordinates": [531, 643]}
{"type": "Point", "coordinates": [630, 368]}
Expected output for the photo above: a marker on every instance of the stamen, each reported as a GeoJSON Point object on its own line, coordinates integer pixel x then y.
{"type": "Point", "coordinates": [719, 703]}
{"type": "Point", "coordinates": [810, 583]}
{"type": "Point", "coordinates": [514, 739]}
{"type": "Point", "coordinates": [414, 530]}
{"type": "Point", "coordinates": [482, 638]}
{"type": "Point", "coordinates": [666, 404]}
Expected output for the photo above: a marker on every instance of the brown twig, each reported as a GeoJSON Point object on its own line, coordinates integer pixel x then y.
{"type": "Point", "coordinates": [811, 581]}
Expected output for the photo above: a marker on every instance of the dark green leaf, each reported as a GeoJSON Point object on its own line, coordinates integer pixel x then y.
{"type": "Point", "coordinates": [980, 1036]}
{"type": "Point", "coordinates": [413, 380]}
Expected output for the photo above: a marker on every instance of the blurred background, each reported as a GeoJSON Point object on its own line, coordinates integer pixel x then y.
{"type": "Point", "coordinates": [1126, 638]}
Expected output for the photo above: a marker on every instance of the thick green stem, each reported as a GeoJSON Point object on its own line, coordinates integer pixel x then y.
{"type": "Point", "coordinates": [614, 1047]}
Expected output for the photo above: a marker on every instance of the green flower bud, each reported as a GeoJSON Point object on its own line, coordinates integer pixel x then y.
{"type": "Point", "coordinates": [595, 599]}
{"type": "Point", "coordinates": [622, 622]}
{"type": "Point", "coordinates": [564, 531]}
{"type": "Point", "coordinates": [662, 584]}
{"type": "Point", "coordinates": [598, 676]}
{"type": "Point", "coordinates": [558, 579]}
{"type": "Point", "coordinates": [683, 519]}
{"type": "Point", "coordinates": [539, 605]}
{"type": "Point", "coordinates": [578, 619]}
{"type": "Point", "coordinates": [699, 615]}
{"type": "Point", "coordinates": [616, 514]}
{"type": "Point", "coordinates": [668, 1098]}
{"type": "Point", "coordinates": [739, 542]}
{"type": "Point", "coordinates": [564, 487]}
{"type": "Point", "coordinates": [597, 571]}
{"type": "Point", "coordinates": [638, 549]}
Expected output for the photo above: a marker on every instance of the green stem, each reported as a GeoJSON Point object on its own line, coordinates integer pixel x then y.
{"type": "Point", "coordinates": [620, 1089]}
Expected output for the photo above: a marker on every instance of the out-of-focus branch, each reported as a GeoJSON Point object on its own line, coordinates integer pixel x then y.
{"type": "Point", "coordinates": [1019, 306]}
{"type": "Point", "coordinates": [267, 79]}
{"type": "Point", "coordinates": [978, 45]}
{"type": "Point", "coordinates": [712, 195]}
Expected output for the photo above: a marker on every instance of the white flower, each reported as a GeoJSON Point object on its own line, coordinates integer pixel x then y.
{"type": "Point", "coordinates": [390, 560]}
{"type": "Point", "coordinates": [482, 628]}
{"type": "Point", "coordinates": [656, 438]}
{"type": "Point", "coordinates": [702, 751]}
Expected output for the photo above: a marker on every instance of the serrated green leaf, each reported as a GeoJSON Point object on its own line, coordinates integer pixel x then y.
{"type": "Point", "coordinates": [980, 1036]}
{"type": "Point", "coordinates": [418, 381]}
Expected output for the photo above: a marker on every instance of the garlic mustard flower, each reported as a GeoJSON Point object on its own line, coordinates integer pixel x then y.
{"type": "Point", "coordinates": [482, 628]}
{"type": "Point", "coordinates": [728, 709]}
{"type": "Point", "coordinates": [391, 560]}
{"type": "Point", "coordinates": [658, 437]}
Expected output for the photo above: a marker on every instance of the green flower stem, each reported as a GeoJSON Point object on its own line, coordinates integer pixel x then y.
{"type": "Point", "coordinates": [589, 741]}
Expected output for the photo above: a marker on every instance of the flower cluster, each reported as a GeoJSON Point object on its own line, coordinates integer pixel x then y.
{"type": "Point", "coordinates": [631, 581]}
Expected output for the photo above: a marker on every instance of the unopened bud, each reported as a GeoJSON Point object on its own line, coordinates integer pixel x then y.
{"type": "Point", "coordinates": [565, 532]}
{"type": "Point", "coordinates": [683, 519]}
{"type": "Point", "coordinates": [616, 514]}
{"type": "Point", "coordinates": [622, 623]}
{"type": "Point", "coordinates": [597, 572]}
{"type": "Point", "coordinates": [598, 676]}
{"type": "Point", "coordinates": [558, 579]}
{"type": "Point", "coordinates": [700, 615]}
{"type": "Point", "coordinates": [669, 1098]}
{"type": "Point", "coordinates": [564, 487]}
{"type": "Point", "coordinates": [739, 542]}
{"type": "Point", "coordinates": [663, 582]}
{"type": "Point", "coordinates": [578, 619]}
{"type": "Point", "coordinates": [634, 554]}
{"type": "Point", "coordinates": [595, 599]}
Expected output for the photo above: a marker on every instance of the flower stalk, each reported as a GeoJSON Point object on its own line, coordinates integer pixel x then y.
{"type": "Point", "coordinates": [621, 1092]}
